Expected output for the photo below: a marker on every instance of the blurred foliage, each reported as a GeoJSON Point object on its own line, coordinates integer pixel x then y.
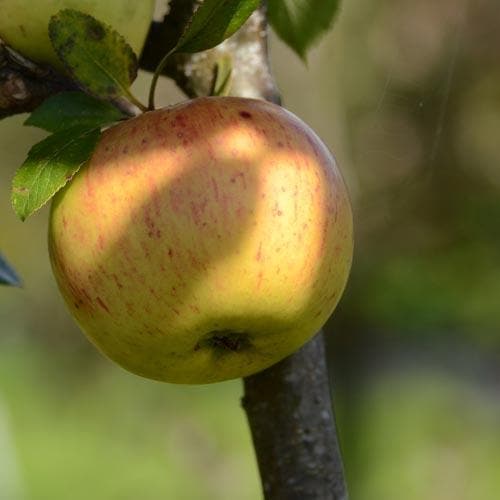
{"type": "Point", "coordinates": [94, 430]}
{"type": "Point", "coordinates": [419, 435]}
{"type": "Point", "coordinates": [407, 94]}
{"type": "Point", "coordinates": [422, 137]}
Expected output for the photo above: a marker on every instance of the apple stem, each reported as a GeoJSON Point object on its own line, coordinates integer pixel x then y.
{"type": "Point", "coordinates": [136, 101]}
{"type": "Point", "coordinates": [156, 75]}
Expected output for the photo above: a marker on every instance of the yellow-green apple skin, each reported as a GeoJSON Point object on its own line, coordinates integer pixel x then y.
{"type": "Point", "coordinates": [24, 23]}
{"type": "Point", "coordinates": [205, 241]}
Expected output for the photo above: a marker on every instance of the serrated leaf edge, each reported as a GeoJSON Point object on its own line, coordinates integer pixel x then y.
{"type": "Point", "coordinates": [131, 75]}
{"type": "Point", "coordinates": [182, 40]}
{"type": "Point", "coordinates": [22, 215]}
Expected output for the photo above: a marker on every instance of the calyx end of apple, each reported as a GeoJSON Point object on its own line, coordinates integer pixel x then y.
{"type": "Point", "coordinates": [225, 341]}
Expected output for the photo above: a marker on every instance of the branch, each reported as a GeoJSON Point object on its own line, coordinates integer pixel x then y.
{"type": "Point", "coordinates": [289, 406]}
{"type": "Point", "coordinates": [194, 73]}
{"type": "Point", "coordinates": [24, 84]}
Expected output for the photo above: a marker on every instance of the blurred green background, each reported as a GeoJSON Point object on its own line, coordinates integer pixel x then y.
{"type": "Point", "coordinates": [407, 94]}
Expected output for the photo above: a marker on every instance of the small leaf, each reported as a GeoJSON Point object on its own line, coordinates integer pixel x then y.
{"type": "Point", "coordinates": [300, 23]}
{"type": "Point", "coordinates": [213, 22]}
{"type": "Point", "coordinates": [95, 55]}
{"type": "Point", "coordinates": [7, 274]}
{"type": "Point", "coordinates": [222, 77]}
{"type": "Point", "coordinates": [50, 165]}
{"type": "Point", "coordinates": [67, 109]}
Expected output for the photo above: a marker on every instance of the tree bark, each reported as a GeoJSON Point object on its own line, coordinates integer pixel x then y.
{"type": "Point", "coordinates": [24, 84]}
{"type": "Point", "coordinates": [194, 73]}
{"type": "Point", "coordinates": [289, 406]}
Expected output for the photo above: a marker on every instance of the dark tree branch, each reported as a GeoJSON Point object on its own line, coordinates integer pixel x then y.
{"type": "Point", "coordinates": [289, 406]}
{"type": "Point", "coordinates": [163, 35]}
{"type": "Point", "coordinates": [24, 84]}
{"type": "Point", "coordinates": [194, 73]}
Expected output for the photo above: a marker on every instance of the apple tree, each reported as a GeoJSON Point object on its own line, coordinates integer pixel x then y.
{"type": "Point", "coordinates": [73, 70]}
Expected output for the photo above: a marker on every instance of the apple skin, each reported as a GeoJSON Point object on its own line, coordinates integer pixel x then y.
{"type": "Point", "coordinates": [24, 23]}
{"type": "Point", "coordinates": [205, 241]}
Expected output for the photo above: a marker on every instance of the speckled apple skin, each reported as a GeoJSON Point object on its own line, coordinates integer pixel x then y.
{"type": "Point", "coordinates": [221, 218]}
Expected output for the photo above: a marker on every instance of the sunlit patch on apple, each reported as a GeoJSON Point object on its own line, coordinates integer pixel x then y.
{"type": "Point", "coordinates": [238, 142]}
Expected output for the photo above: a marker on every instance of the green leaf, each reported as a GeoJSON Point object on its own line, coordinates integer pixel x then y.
{"type": "Point", "coordinates": [68, 109]}
{"type": "Point", "coordinates": [7, 274]}
{"type": "Point", "coordinates": [95, 55]}
{"type": "Point", "coordinates": [300, 23]}
{"type": "Point", "coordinates": [222, 76]}
{"type": "Point", "coordinates": [49, 166]}
{"type": "Point", "coordinates": [213, 22]}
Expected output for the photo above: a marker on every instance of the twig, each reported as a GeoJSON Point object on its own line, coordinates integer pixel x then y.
{"type": "Point", "coordinates": [24, 84]}
{"type": "Point", "coordinates": [193, 73]}
{"type": "Point", "coordinates": [290, 411]}
{"type": "Point", "coordinates": [289, 406]}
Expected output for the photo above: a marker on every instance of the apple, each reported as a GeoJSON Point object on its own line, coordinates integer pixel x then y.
{"type": "Point", "coordinates": [24, 23]}
{"type": "Point", "coordinates": [204, 241]}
